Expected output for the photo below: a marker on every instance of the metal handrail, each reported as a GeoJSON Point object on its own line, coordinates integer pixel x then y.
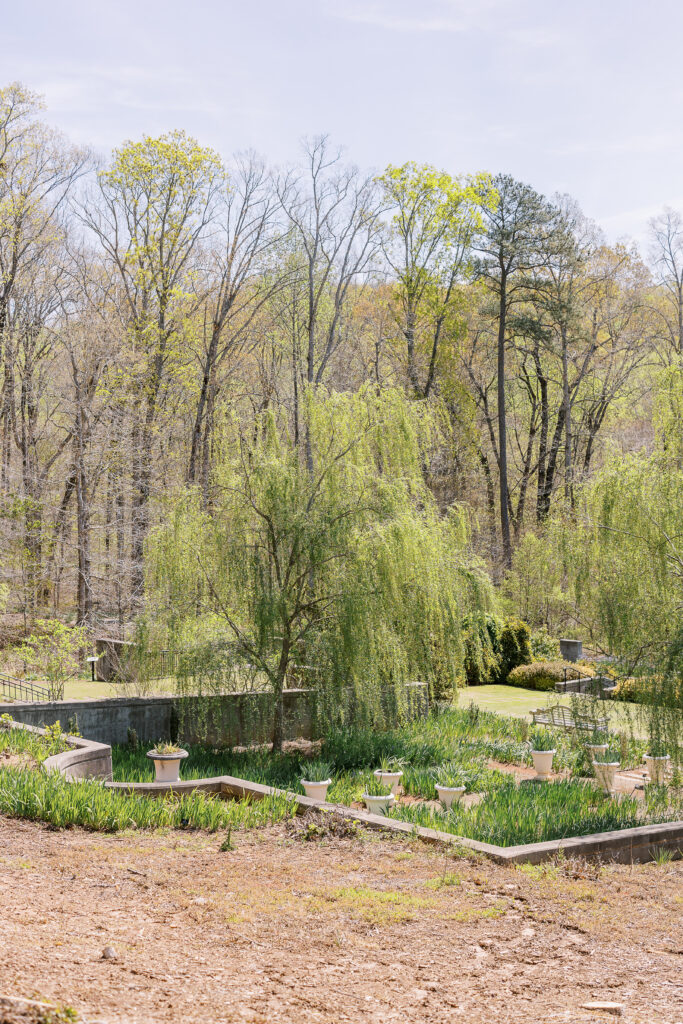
{"type": "Point", "coordinates": [15, 689]}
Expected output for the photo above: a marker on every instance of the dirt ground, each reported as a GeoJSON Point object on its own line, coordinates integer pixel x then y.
{"type": "Point", "coordinates": [330, 929]}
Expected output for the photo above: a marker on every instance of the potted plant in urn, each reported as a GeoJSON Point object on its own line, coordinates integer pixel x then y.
{"type": "Point", "coordinates": [167, 758]}
{"type": "Point", "coordinates": [389, 773]}
{"type": "Point", "coordinates": [542, 752]}
{"type": "Point", "coordinates": [657, 759]}
{"type": "Point", "coordinates": [317, 776]}
{"type": "Point", "coordinates": [450, 786]}
{"type": "Point", "coordinates": [606, 768]}
{"type": "Point", "coordinates": [597, 744]}
{"type": "Point", "coordinates": [378, 798]}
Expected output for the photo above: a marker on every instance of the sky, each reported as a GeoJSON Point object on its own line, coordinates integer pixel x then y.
{"type": "Point", "coordinates": [579, 97]}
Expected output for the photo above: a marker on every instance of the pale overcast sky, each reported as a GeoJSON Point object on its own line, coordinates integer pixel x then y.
{"type": "Point", "coordinates": [582, 97]}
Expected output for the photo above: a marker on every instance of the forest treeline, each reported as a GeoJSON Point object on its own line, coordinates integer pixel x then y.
{"type": "Point", "coordinates": [146, 298]}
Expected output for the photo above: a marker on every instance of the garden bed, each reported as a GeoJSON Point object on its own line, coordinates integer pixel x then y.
{"type": "Point", "coordinates": [503, 808]}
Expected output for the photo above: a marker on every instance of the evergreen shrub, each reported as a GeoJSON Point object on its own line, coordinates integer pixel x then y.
{"type": "Point", "coordinates": [541, 675]}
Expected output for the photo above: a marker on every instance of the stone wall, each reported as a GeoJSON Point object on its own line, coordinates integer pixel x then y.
{"type": "Point", "coordinates": [236, 719]}
{"type": "Point", "coordinates": [233, 718]}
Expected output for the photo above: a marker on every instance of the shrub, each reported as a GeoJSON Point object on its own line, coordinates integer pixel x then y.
{"type": "Point", "coordinates": [541, 675]}
{"type": "Point", "coordinates": [647, 690]}
{"type": "Point", "coordinates": [493, 647]}
{"type": "Point", "coordinates": [544, 647]}
{"type": "Point", "coordinates": [515, 647]}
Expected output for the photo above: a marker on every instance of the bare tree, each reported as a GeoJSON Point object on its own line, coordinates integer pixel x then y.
{"type": "Point", "coordinates": [667, 254]}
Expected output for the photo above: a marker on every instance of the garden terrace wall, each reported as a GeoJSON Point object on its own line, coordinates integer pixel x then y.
{"type": "Point", "coordinates": [237, 719]}
{"type": "Point", "coordinates": [84, 759]}
{"type": "Point", "coordinates": [625, 846]}
{"type": "Point", "coordinates": [231, 719]}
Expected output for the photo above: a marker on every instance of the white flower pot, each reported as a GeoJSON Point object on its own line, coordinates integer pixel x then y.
{"type": "Point", "coordinates": [167, 766]}
{"type": "Point", "coordinates": [604, 774]}
{"type": "Point", "coordinates": [657, 768]}
{"type": "Point", "coordinates": [596, 750]}
{"type": "Point", "coordinates": [543, 762]}
{"type": "Point", "coordinates": [378, 804]}
{"type": "Point", "coordinates": [316, 790]}
{"type": "Point", "coordinates": [449, 795]}
{"type": "Point", "coordinates": [391, 779]}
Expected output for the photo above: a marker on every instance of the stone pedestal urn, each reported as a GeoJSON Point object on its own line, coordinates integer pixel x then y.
{"type": "Point", "coordinates": [543, 763]}
{"type": "Point", "coordinates": [657, 768]}
{"type": "Point", "coordinates": [167, 765]}
{"type": "Point", "coordinates": [604, 774]}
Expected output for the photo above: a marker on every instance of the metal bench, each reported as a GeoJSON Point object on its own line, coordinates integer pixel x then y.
{"type": "Point", "coordinates": [563, 718]}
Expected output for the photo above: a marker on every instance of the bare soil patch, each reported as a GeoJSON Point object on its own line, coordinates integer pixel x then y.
{"type": "Point", "coordinates": [301, 924]}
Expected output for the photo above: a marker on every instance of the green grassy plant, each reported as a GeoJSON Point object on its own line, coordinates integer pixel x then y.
{"type": "Point", "coordinates": [50, 798]}
{"type": "Point", "coordinates": [35, 745]}
{"type": "Point", "coordinates": [531, 813]}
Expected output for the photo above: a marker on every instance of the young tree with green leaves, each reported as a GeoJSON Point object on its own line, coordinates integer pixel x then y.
{"type": "Point", "coordinates": [434, 217]}
{"type": "Point", "coordinates": [150, 213]}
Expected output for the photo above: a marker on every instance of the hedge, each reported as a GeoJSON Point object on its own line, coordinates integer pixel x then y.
{"type": "Point", "coordinates": [493, 647]}
{"type": "Point", "coordinates": [542, 675]}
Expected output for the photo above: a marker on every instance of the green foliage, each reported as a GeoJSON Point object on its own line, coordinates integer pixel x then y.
{"type": "Point", "coordinates": [348, 567]}
{"type": "Point", "coordinates": [542, 739]}
{"type": "Point", "coordinates": [375, 787]}
{"type": "Point", "coordinates": [35, 745]}
{"type": "Point", "coordinates": [50, 798]}
{"type": "Point", "coordinates": [542, 675]}
{"type": "Point", "coordinates": [544, 647]}
{"type": "Point", "coordinates": [166, 748]}
{"type": "Point", "coordinates": [530, 813]}
{"type": "Point", "coordinates": [52, 652]}
{"type": "Point", "coordinates": [481, 642]}
{"type": "Point", "coordinates": [493, 647]}
{"type": "Point", "coordinates": [316, 770]}
{"type": "Point", "coordinates": [534, 587]}
{"type": "Point", "coordinates": [515, 647]}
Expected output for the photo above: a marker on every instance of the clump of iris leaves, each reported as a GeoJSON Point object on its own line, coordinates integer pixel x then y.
{"type": "Point", "coordinates": [453, 741]}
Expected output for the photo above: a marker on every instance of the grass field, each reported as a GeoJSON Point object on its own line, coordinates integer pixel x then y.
{"type": "Point", "coordinates": [519, 703]}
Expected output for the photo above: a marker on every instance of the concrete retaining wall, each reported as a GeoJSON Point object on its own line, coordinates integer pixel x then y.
{"type": "Point", "coordinates": [231, 719]}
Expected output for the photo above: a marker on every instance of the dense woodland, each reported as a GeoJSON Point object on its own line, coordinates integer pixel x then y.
{"type": "Point", "coordinates": [172, 320]}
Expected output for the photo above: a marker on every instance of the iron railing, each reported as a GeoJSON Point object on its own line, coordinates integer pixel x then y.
{"type": "Point", "coordinates": [15, 689]}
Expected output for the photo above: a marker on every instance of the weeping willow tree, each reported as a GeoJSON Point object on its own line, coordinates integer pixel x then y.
{"type": "Point", "coordinates": [344, 567]}
{"type": "Point", "coordinates": [624, 557]}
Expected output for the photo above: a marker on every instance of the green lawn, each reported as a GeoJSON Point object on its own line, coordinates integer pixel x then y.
{"type": "Point", "coordinates": [518, 702]}
{"type": "Point", "coordinates": [508, 700]}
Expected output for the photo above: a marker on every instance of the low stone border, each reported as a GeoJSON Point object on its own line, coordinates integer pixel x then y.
{"type": "Point", "coordinates": [626, 846]}
{"type": "Point", "coordinates": [87, 759]}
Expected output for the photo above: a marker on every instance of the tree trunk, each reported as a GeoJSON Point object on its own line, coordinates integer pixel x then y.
{"type": "Point", "coordinates": [502, 427]}
{"type": "Point", "coordinates": [278, 708]}
{"type": "Point", "coordinates": [566, 401]}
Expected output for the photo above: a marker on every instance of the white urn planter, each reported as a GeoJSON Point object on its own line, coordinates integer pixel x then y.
{"type": "Point", "coordinates": [316, 790]}
{"type": "Point", "coordinates": [167, 766]}
{"type": "Point", "coordinates": [604, 774]}
{"type": "Point", "coordinates": [657, 768]}
{"type": "Point", "coordinates": [391, 779]}
{"type": "Point", "coordinates": [543, 763]}
{"type": "Point", "coordinates": [378, 804]}
{"type": "Point", "coordinates": [449, 795]}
